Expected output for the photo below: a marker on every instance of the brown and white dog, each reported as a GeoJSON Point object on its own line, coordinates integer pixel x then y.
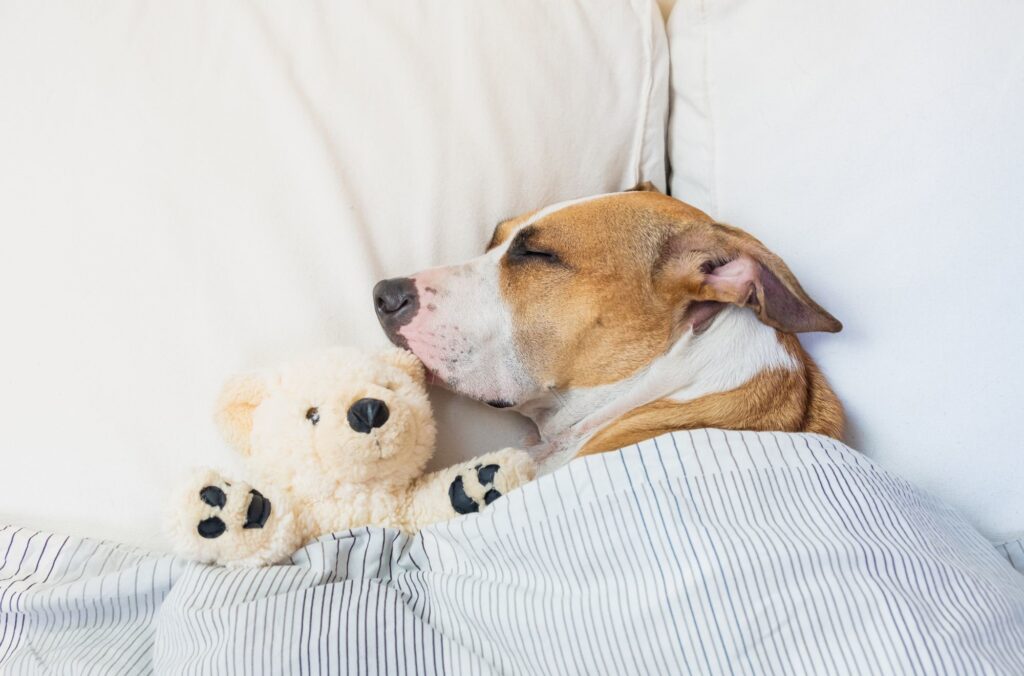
{"type": "Point", "coordinates": [612, 319]}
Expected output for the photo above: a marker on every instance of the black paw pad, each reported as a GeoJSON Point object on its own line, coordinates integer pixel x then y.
{"type": "Point", "coordinates": [461, 503]}
{"type": "Point", "coordinates": [213, 496]}
{"type": "Point", "coordinates": [490, 496]}
{"type": "Point", "coordinates": [211, 528]}
{"type": "Point", "coordinates": [258, 512]}
{"type": "Point", "coordinates": [486, 474]}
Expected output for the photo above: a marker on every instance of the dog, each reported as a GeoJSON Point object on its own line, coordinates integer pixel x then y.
{"type": "Point", "coordinates": [616, 318]}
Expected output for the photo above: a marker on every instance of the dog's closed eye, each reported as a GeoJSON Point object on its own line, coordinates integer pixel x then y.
{"type": "Point", "coordinates": [523, 249]}
{"type": "Point", "coordinates": [529, 253]}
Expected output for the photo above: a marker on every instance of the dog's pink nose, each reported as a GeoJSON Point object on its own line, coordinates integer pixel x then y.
{"type": "Point", "coordinates": [396, 303]}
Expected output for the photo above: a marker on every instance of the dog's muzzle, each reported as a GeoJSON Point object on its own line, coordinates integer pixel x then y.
{"type": "Point", "coordinates": [396, 303]}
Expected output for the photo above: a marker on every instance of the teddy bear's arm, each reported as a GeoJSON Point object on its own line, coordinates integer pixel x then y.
{"type": "Point", "coordinates": [467, 487]}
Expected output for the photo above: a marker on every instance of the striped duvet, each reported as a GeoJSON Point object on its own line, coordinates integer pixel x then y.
{"type": "Point", "coordinates": [699, 552]}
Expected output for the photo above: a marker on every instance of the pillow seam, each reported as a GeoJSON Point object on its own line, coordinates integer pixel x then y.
{"type": "Point", "coordinates": [646, 89]}
{"type": "Point", "coordinates": [712, 175]}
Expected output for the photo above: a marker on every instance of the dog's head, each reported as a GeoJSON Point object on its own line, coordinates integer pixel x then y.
{"type": "Point", "coordinates": [586, 293]}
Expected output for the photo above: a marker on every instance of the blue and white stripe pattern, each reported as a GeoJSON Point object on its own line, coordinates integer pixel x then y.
{"type": "Point", "coordinates": [696, 552]}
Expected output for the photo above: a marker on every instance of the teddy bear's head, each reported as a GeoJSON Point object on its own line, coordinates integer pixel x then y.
{"type": "Point", "coordinates": [342, 415]}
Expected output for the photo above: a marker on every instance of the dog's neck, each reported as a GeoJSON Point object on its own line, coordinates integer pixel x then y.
{"type": "Point", "coordinates": [732, 351]}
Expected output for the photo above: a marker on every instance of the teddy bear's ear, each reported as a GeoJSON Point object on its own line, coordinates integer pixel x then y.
{"type": "Point", "coordinates": [406, 361]}
{"type": "Point", "coordinates": [238, 399]}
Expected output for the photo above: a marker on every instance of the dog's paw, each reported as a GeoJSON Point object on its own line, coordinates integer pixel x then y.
{"type": "Point", "coordinates": [229, 522]}
{"type": "Point", "coordinates": [492, 476]}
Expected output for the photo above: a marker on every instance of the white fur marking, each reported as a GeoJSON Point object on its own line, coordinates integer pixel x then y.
{"type": "Point", "coordinates": [468, 338]}
{"type": "Point", "coordinates": [734, 349]}
{"type": "Point", "coordinates": [741, 348]}
{"type": "Point", "coordinates": [552, 208]}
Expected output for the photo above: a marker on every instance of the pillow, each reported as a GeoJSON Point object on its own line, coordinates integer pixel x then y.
{"type": "Point", "coordinates": [877, 147]}
{"type": "Point", "coordinates": [191, 189]}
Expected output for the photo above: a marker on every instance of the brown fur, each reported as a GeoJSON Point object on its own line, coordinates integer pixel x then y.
{"type": "Point", "coordinates": [628, 277]}
{"type": "Point", "coordinates": [776, 400]}
{"type": "Point", "coordinates": [602, 315]}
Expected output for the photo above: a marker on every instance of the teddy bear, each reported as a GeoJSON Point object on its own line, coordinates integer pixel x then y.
{"type": "Point", "coordinates": [332, 440]}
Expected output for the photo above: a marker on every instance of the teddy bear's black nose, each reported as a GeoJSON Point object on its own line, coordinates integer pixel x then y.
{"type": "Point", "coordinates": [367, 414]}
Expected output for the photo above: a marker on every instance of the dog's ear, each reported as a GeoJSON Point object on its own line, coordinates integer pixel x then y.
{"type": "Point", "coordinates": [726, 265]}
{"type": "Point", "coordinates": [238, 400]}
{"type": "Point", "coordinates": [644, 186]}
{"type": "Point", "coordinates": [406, 361]}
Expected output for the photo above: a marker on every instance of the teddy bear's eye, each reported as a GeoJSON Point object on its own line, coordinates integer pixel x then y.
{"type": "Point", "coordinates": [313, 415]}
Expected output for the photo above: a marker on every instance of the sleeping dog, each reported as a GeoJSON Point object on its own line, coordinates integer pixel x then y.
{"type": "Point", "coordinates": [616, 318]}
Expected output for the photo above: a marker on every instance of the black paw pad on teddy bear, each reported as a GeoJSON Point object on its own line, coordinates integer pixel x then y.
{"type": "Point", "coordinates": [460, 499]}
{"type": "Point", "coordinates": [256, 514]}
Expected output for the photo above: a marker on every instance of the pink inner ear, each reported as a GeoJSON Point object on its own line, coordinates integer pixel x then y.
{"type": "Point", "coordinates": [748, 283]}
{"type": "Point", "coordinates": [735, 281]}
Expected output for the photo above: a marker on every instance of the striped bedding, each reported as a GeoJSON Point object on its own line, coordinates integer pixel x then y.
{"type": "Point", "coordinates": [696, 552]}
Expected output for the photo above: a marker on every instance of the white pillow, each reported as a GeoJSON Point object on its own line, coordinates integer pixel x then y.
{"type": "Point", "coordinates": [188, 189]}
{"type": "Point", "coordinates": [877, 147]}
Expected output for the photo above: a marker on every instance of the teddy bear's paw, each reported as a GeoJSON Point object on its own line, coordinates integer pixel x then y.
{"type": "Point", "coordinates": [230, 522]}
{"type": "Point", "coordinates": [256, 512]}
{"type": "Point", "coordinates": [492, 476]}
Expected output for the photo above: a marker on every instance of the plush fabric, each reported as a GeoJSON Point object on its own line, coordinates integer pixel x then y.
{"type": "Point", "coordinates": [189, 189]}
{"type": "Point", "coordinates": [876, 146]}
{"type": "Point", "coordinates": [706, 552]}
{"type": "Point", "coordinates": [319, 460]}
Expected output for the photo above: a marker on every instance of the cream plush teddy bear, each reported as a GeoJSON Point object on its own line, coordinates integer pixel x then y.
{"type": "Point", "coordinates": [332, 441]}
